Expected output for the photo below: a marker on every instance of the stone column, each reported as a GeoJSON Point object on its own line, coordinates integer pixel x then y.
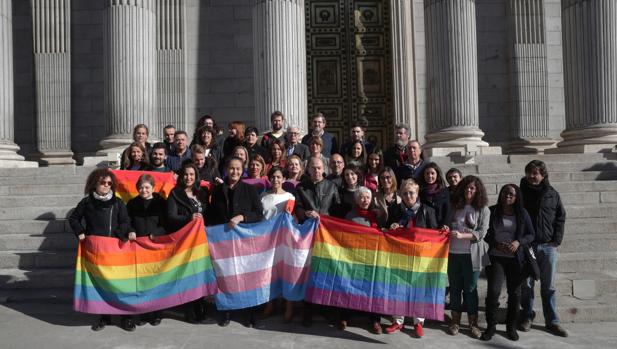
{"type": "Point", "coordinates": [130, 71]}
{"type": "Point", "coordinates": [8, 148]}
{"type": "Point", "coordinates": [529, 77]}
{"type": "Point", "coordinates": [452, 78]}
{"type": "Point", "coordinates": [279, 56]}
{"type": "Point", "coordinates": [403, 91]}
{"type": "Point", "coordinates": [590, 75]}
{"type": "Point", "coordinates": [171, 57]}
{"type": "Point", "coordinates": [51, 30]}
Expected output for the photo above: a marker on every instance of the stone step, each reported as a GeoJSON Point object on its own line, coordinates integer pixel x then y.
{"type": "Point", "coordinates": [23, 279]}
{"type": "Point", "coordinates": [583, 198]}
{"type": "Point", "coordinates": [34, 227]}
{"type": "Point", "coordinates": [497, 168]}
{"type": "Point", "coordinates": [46, 171]}
{"type": "Point", "coordinates": [29, 259]}
{"type": "Point", "coordinates": [589, 242]}
{"type": "Point", "coordinates": [45, 180]}
{"type": "Point", "coordinates": [588, 261]}
{"type": "Point", "coordinates": [36, 213]}
{"type": "Point", "coordinates": [591, 211]}
{"type": "Point", "coordinates": [49, 200]}
{"type": "Point", "coordinates": [24, 242]}
{"type": "Point", "coordinates": [585, 226]}
{"type": "Point", "coordinates": [41, 189]}
{"type": "Point", "coordinates": [559, 158]}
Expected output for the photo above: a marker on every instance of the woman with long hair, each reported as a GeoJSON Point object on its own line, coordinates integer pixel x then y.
{"type": "Point", "coordinates": [207, 139]}
{"type": "Point", "coordinates": [356, 154]}
{"type": "Point", "coordinates": [104, 215]}
{"type": "Point", "coordinates": [434, 192]}
{"type": "Point", "coordinates": [235, 138]}
{"type": "Point", "coordinates": [387, 196]}
{"type": "Point", "coordinates": [374, 165]}
{"type": "Point", "coordinates": [135, 158]}
{"type": "Point", "coordinates": [294, 173]}
{"type": "Point", "coordinates": [352, 180]}
{"type": "Point", "coordinates": [188, 201]}
{"type": "Point", "coordinates": [468, 250]}
{"type": "Point", "coordinates": [510, 231]}
{"type": "Point", "coordinates": [278, 155]}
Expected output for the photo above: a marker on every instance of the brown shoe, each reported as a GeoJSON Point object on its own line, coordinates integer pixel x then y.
{"type": "Point", "coordinates": [473, 327]}
{"type": "Point", "coordinates": [376, 328]}
{"type": "Point", "coordinates": [455, 321]}
{"type": "Point", "coordinates": [557, 330]}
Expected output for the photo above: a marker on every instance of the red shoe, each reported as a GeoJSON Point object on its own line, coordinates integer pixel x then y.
{"type": "Point", "coordinates": [419, 330]}
{"type": "Point", "coordinates": [394, 327]}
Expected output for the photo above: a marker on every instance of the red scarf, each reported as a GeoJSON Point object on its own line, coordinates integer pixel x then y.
{"type": "Point", "coordinates": [368, 215]}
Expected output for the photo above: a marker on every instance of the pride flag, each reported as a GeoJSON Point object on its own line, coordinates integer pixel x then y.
{"type": "Point", "coordinates": [257, 262]}
{"type": "Point", "coordinates": [401, 272]}
{"type": "Point", "coordinates": [126, 188]}
{"type": "Point", "coordinates": [115, 277]}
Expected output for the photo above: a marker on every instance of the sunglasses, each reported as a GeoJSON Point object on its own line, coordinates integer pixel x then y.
{"type": "Point", "coordinates": [108, 183]}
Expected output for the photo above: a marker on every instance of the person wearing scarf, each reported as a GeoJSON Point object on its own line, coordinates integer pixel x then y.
{"type": "Point", "coordinates": [409, 214]}
{"type": "Point", "coordinates": [434, 192]}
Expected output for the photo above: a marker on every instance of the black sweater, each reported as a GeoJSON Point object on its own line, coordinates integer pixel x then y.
{"type": "Point", "coordinates": [102, 218]}
{"type": "Point", "coordinates": [148, 216]}
{"type": "Point", "coordinates": [227, 203]}
{"type": "Point", "coordinates": [180, 209]}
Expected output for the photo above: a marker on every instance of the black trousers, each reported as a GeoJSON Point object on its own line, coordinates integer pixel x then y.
{"type": "Point", "coordinates": [509, 269]}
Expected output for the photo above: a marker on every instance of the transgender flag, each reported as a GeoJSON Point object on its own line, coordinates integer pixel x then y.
{"type": "Point", "coordinates": [255, 263]}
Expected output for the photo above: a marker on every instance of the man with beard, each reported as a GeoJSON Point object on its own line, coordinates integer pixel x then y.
{"type": "Point", "coordinates": [357, 134]}
{"type": "Point", "coordinates": [277, 119]}
{"type": "Point", "coordinates": [158, 158]}
{"type": "Point", "coordinates": [396, 155]}
{"type": "Point", "coordinates": [330, 143]}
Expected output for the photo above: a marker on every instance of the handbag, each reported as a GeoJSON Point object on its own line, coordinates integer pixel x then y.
{"type": "Point", "coordinates": [531, 268]}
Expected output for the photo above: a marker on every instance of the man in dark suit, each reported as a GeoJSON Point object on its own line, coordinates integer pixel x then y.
{"type": "Point", "coordinates": [330, 143]}
{"type": "Point", "coordinates": [294, 147]}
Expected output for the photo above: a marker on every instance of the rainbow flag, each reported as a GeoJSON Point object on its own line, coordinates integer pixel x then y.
{"type": "Point", "coordinates": [257, 262]}
{"type": "Point", "coordinates": [115, 277]}
{"type": "Point", "coordinates": [401, 272]}
{"type": "Point", "coordinates": [126, 188]}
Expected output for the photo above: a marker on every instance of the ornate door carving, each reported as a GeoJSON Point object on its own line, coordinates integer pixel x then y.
{"type": "Point", "coordinates": [349, 65]}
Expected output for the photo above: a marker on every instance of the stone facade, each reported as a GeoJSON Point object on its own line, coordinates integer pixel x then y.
{"type": "Point", "coordinates": [208, 57]}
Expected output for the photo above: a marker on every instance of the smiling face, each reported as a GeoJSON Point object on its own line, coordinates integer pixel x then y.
{"type": "Point", "coordinates": [251, 138]}
{"type": "Point", "coordinates": [373, 161]}
{"type": "Point", "coordinates": [241, 154]}
{"type": "Point", "coordinates": [234, 171]}
{"type": "Point", "coordinates": [409, 196]}
{"type": "Point", "coordinates": [146, 190]}
{"type": "Point", "coordinates": [293, 167]}
{"type": "Point", "coordinates": [276, 153]}
{"type": "Point", "coordinates": [206, 138]}
{"type": "Point", "coordinates": [337, 164]}
{"type": "Point", "coordinates": [534, 176]}
{"type": "Point", "coordinates": [140, 135]}
{"type": "Point", "coordinates": [158, 157]}
{"type": "Point", "coordinates": [199, 159]}
{"type": "Point", "coordinates": [453, 179]}
{"type": "Point", "coordinates": [276, 180]}
{"type": "Point", "coordinates": [364, 200]}
{"type": "Point", "coordinates": [470, 193]}
{"type": "Point", "coordinates": [103, 186]}
{"type": "Point", "coordinates": [351, 178]}
{"type": "Point", "coordinates": [180, 140]}
{"type": "Point", "coordinates": [315, 148]}
{"type": "Point", "coordinates": [356, 150]}
{"type": "Point", "coordinates": [136, 154]}
{"type": "Point", "coordinates": [189, 176]}
{"type": "Point", "coordinates": [169, 134]}
{"type": "Point", "coordinates": [430, 175]}
{"type": "Point", "coordinates": [386, 180]}
{"type": "Point", "coordinates": [508, 196]}
{"type": "Point", "coordinates": [255, 169]}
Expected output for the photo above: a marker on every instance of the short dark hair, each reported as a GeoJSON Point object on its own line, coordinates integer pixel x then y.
{"type": "Point", "coordinates": [454, 170]}
{"type": "Point", "coordinates": [251, 129]}
{"type": "Point", "coordinates": [180, 132]}
{"type": "Point", "coordinates": [275, 169]}
{"type": "Point", "coordinates": [159, 145]}
{"type": "Point", "coordinates": [539, 165]}
{"type": "Point", "coordinates": [169, 126]}
{"type": "Point", "coordinates": [275, 114]}
{"type": "Point", "coordinates": [144, 178]}
{"type": "Point", "coordinates": [185, 165]}
{"type": "Point", "coordinates": [357, 170]}
{"type": "Point", "coordinates": [480, 200]}
{"type": "Point", "coordinates": [95, 176]}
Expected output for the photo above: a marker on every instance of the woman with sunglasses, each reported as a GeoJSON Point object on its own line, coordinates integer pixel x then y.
{"type": "Point", "coordinates": [104, 215]}
{"type": "Point", "coordinates": [510, 230]}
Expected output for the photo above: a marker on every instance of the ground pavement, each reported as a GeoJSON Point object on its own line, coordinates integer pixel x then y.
{"type": "Point", "coordinates": [52, 326]}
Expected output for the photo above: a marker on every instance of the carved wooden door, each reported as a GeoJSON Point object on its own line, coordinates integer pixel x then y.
{"type": "Point", "coordinates": [350, 66]}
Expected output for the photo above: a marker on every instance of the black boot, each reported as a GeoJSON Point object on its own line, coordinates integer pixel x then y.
{"type": "Point", "coordinates": [224, 318]}
{"type": "Point", "coordinates": [155, 319]}
{"type": "Point", "coordinates": [100, 324]}
{"type": "Point", "coordinates": [491, 320]}
{"type": "Point", "coordinates": [127, 323]}
{"type": "Point", "coordinates": [511, 319]}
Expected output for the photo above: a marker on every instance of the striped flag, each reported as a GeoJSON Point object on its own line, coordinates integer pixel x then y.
{"type": "Point", "coordinates": [126, 188]}
{"type": "Point", "coordinates": [401, 272]}
{"type": "Point", "coordinates": [134, 277]}
{"type": "Point", "coordinates": [257, 262]}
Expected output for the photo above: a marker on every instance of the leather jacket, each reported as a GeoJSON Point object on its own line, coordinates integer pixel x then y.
{"type": "Point", "coordinates": [322, 197]}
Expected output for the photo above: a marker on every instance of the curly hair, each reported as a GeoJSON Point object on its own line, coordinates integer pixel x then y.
{"type": "Point", "coordinates": [480, 198]}
{"type": "Point", "coordinates": [127, 162]}
{"type": "Point", "coordinates": [95, 176]}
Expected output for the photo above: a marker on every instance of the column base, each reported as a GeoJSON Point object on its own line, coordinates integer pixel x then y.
{"type": "Point", "coordinates": [9, 152]}
{"type": "Point", "coordinates": [52, 158]}
{"type": "Point", "coordinates": [114, 145]}
{"type": "Point", "coordinates": [530, 146]}
{"type": "Point", "coordinates": [458, 141]}
{"type": "Point", "coordinates": [596, 139]}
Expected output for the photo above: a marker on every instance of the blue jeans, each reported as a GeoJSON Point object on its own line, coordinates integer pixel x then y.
{"type": "Point", "coordinates": [547, 261]}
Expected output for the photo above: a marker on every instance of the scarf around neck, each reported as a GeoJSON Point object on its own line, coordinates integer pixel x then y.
{"type": "Point", "coordinates": [103, 197]}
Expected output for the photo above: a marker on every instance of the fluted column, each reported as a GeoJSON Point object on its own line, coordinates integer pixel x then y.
{"type": "Point", "coordinates": [51, 30]}
{"type": "Point", "coordinates": [279, 56]}
{"type": "Point", "coordinates": [590, 75]}
{"type": "Point", "coordinates": [171, 57]}
{"type": "Point", "coordinates": [403, 91]}
{"type": "Point", "coordinates": [452, 76]}
{"type": "Point", "coordinates": [129, 38]}
{"type": "Point", "coordinates": [8, 148]}
{"type": "Point", "coordinates": [529, 77]}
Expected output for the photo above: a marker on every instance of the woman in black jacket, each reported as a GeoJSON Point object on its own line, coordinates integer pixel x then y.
{"type": "Point", "coordinates": [104, 215]}
{"type": "Point", "coordinates": [510, 231]}
{"type": "Point", "coordinates": [434, 193]}
{"type": "Point", "coordinates": [235, 202]}
{"type": "Point", "coordinates": [147, 212]}
{"type": "Point", "coordinates": [187, 201]}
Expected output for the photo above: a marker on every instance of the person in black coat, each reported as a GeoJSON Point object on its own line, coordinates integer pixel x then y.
{"type": "Point", "coordinates": [235, 202]}
{"type": "Point", "coordinates": [187, 201]}
{"type": "Point", "coordinates": [104, 215]}
{"type": "Point", "coordinates": [147, 212]}
{"type": "Point", "coordinates": [434, 193]}
{"type": "Point", "coordinates": [510, 231]}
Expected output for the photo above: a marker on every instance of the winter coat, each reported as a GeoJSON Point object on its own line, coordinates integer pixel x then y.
{"type": "Point", "coordinates": [244, 201]}
{"type": "Point", "coordinates": [546, 210]}
{"type": "Point", "coordinates": [148, 216]}
{"type": "Point", "coordinates": [102, 218]}
{"type": "Point", "coordinates": [180, 209]}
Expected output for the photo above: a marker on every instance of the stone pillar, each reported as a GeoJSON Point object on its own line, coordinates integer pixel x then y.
{"type": "Point", "coordinates": [590, 75]}
{"type": "Point", "coordinates": [51, 30]}
{"type": "Point", "coordinates": [403, 91]}
{"type": "Point", "coordinates": [452, 78]}
{"type": "Point", "coordinates": [129, 39]}
{"type": "Point", "coordinates": [171, 56]}
{"type": "Point", "coordinates": [8, 148]}
{"type": "Point", "coordinates": [529, 77]}
{"type": "Point", "coordinates": [279, 56]}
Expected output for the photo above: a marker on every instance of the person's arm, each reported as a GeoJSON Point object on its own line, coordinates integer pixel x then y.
{"type": "Point", "coordinates": [255, 214]}
{"type": "Point", "coordinates": [124, 222]}
{"type": "Point", "coordinates": [482, 225]}
{"type": "Point", "coordinates": [529, 233]}
{"type": "Point", "coordinates": [174, 219]}
{"type": "Point", "coordinates": [76, 217]}
{"type": "Point", "coordinates": [559, 222]}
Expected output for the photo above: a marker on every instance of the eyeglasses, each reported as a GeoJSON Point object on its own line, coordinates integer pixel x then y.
{"type": "Point", "coordinates": [294, 133]}
{"type": "Point", "coordinates": [108, 183]}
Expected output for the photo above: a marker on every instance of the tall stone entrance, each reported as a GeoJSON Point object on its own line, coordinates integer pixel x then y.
{"type": "Point", "coordinates": [349, 65]}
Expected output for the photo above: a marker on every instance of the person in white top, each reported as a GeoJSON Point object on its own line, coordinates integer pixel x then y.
{"type": "Point", "coordinates": [275, 201]}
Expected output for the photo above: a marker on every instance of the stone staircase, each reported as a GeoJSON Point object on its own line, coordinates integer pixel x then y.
{"type": "Point", "coordinates": [37, 248]}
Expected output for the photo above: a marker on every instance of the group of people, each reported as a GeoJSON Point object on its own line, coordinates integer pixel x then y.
{"type": "Point", "coordinates": [357, 181]}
